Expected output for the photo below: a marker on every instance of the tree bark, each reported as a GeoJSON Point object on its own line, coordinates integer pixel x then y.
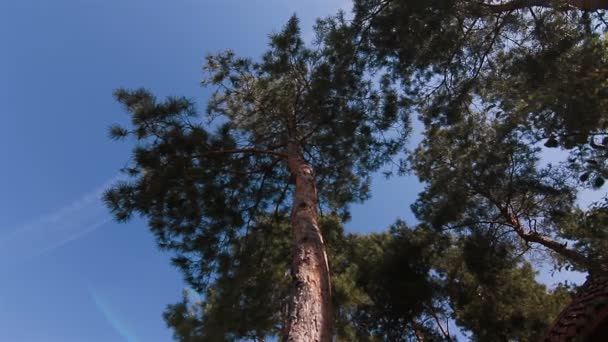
{"type": "Point", "coordinates": [557, 247]}
{"type": "Point", "coordinates": [310, 317]}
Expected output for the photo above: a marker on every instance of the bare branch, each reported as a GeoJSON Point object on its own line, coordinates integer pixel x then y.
{"type": "Point", "coordinates": [250, 151]}
{"type": "Point", "coordinates": [557, 247]}
{"type": "Point", "coordinates": [444, 331]}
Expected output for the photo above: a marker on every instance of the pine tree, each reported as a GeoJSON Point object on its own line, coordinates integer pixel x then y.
{"type": "Point", "coordinates": [373, 299]}
{"type": "Point", "coordinates": [299, 132]}
{"type": "Point", "coordinates": [486, 185]}
{"type": "Point", "coordinates": [473, 183]}
{"type": "Point", "coordinates": [305, 122]}
{"type": "Point", "coordinates": [492, 291]}
{"type": "Point", "coordinates": [404, 284]}
{"type": "Point", "coordinates": [493, 82]}
{"type": "Point", "coordinates": [541, 63]}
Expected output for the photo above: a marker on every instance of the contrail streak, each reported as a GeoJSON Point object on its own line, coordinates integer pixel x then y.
{"type": "Point", "coordinates": [55, 229]}
{"type": "Point", "coordinates": [112, 317]}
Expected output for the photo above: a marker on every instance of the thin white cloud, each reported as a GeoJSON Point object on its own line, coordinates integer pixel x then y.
{"type": "Point", "coordinates": [55, 229]}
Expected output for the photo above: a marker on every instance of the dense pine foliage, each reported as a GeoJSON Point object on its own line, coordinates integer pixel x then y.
{"type": "Point", "coordinates": [513, 102]}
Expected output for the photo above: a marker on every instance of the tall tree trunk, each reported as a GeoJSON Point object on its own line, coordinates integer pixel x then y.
{"type": "Point", "coordinates": [311, 316]}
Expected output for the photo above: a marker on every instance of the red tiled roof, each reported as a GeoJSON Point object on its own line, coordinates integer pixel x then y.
{"type": "Point", "coordinates": [586, 315]}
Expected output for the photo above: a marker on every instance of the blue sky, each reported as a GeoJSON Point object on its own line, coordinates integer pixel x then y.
{"type": "Point", "coordinates": [68, 272]}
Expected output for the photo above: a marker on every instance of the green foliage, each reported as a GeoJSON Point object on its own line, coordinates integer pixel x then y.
{"type": "Point", "coordinates": [494, 295]}
{"type": "Point", "coordinates": [542, 68]}
{"type": "Point", "coordinates": [470, 181]}
{"type": "Point", "coordinates": [393, 271]}
{"type": "Point", "coordinates": [215, 188]}
{"type": "Point", "coordinates": [409, 280]}
{"type": "Point", "coordinates": [321, 98]}
{"type": "Point", "coordinates": [375, 298]}
{"type": "Point", "coordinates": [588, 231]}
{"type": "Point", "coordinates": [249, 293]}
{"type": "Point", "coordinates": [491, 87]}
{"type": "Point", "coordinates": [200, 190]}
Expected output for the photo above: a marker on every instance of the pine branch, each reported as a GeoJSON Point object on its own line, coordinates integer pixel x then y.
{"type": "Point", "coordinates": [585, 5]}
{"type": "Point", "coordinates": [557, 247]}
{"type": "Point", "coordinates": [444, 332]}
{"type": "Point", "coordinates": [248, 150]}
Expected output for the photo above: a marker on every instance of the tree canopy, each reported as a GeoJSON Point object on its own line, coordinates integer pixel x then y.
{"type": "Point", "coordinates": [542, 64]}
{"type": "Point", "coordinates": [206, 182]}
{"type": "Point", "coordinates": [498, 87]}
{"type": "Point", "coordinates": [493, 83]}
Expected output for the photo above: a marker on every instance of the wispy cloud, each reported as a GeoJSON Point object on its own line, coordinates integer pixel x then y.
{"type": "Point", "coordinates": [55, 229]}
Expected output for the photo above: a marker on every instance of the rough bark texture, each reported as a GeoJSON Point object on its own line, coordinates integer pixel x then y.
{"type": "Point", "coordinates": [586, 318]}
{"type": "Point", "coordinates": [311, 317]}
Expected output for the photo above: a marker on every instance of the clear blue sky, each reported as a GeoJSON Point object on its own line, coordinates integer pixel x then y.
{"type": "Point", "coordinates": [68, 272]}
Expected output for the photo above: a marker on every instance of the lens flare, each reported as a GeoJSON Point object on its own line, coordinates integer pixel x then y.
{"type": "Point", "coordinates": [104, 307]}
